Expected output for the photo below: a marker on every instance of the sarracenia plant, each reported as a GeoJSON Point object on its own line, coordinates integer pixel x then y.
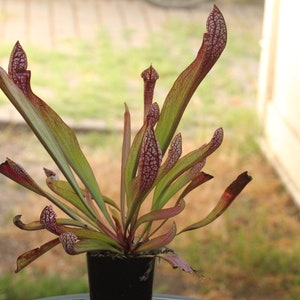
{"type": "Point", "coordinates": [153, 168]}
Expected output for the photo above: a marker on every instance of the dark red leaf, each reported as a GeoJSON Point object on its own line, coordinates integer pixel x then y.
{"type": "Point", "coordinates": [153, 114]}
{"type": "Point", "coordinates": [159, 241]}
{"type": "Point", "coordinates": [235, 188]}
{"type": "Point", "coordinates": [226, 199]}
{"type": "Point", "coordinates": [200, 179]}
{"type": "Point", "coordinates": [48, 220]}
{"type": "Point", "coordinates": [217, 140]}
{"type": "Point", "coordinates": [28, 257]}
{"type": "Point", "coordinates": [176, 261]}
{"type": "Point", "coordinates": [68, 241]}
{"type": "Point", "coordinates": [18, 174]}
{"type": "Point", "coordinates": [174, 153]}
{"type": "Point", "coordinates": [150, 76]}
{"type": "Point", "coordinates": [214, 40]}
{"type": "Point", "coordinates": [17, 69]}
{"type": "Point", "coordinates": [149, 160]}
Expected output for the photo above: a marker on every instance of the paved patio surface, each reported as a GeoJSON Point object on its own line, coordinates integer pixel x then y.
{"type": "Point", "coordinates": [50, 23]}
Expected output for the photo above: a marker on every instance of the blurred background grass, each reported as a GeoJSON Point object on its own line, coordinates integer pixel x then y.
{"type": "Point", "coordinates": [252, 252]}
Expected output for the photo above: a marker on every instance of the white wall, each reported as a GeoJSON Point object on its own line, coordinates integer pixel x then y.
{"type": "Point", "coordinates": [279, 90]}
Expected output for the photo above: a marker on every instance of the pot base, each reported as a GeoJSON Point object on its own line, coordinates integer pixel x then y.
{"type": "Point", "coordinates": [118, 278]}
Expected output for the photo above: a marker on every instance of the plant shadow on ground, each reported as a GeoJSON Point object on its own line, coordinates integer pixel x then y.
{"type": "Point", "coordinates": [252, 252]}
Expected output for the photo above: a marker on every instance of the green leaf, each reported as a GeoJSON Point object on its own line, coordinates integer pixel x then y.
{"type": "Point", "coordinates": [76, 241]}
{"type": "Point", "coordinates": [82, 233]}
{"type": "Point", "coordinates": [213, 44]}
{"type": "Point", "coordinates": [183, 164]}
{"type": "Point", "coordinates": [92, 245]}
{"type": "Point", "coordinates": [32, 113]}
{"type": "Point", "coordinates": [65, 190]}
{"type": "Point", "coordinates": [58, 139]}
{"type": "Point", "coordinates": [125, 154]}
{"type": "Point", "coordinates": [18, 174]}
{"type": "Point", "coordinates": [35, 225]}
{"type": "Point", "coordinates": [179, 183]}
{"type": "Point", "coordinates": [132, 163]}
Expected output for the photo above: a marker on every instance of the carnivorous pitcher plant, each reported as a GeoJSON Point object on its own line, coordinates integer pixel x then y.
{"type": "Point", "coordinates": [153, 168]}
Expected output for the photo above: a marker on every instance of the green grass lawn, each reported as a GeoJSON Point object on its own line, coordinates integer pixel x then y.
{"type": "Point", "coordinates": [93, 80]}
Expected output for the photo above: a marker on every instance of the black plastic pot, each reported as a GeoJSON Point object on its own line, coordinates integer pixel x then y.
{"type": "Point", "coordinates": [116, 278]}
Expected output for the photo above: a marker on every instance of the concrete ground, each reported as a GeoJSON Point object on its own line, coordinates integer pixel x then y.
{"type": "Point", "coordinates": [50, 23]}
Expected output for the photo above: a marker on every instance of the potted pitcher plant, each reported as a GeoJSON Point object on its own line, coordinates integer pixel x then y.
{"type": "Point", "coordinates": [121, 243]}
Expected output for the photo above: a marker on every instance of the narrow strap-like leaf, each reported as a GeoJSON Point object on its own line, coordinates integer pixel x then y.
{"type": "Point", "coordinates": [32, 115]}
{"type": "Point", "coordinates": [83, 233]}
{"type": "Point", "coordinates": [158, 242]}
{"type": "Point", "coordinates": [28, 257]}
{"type": "Point", "coordinates": [65, 190]}
{"type": "Point", "coordinates": [185, 163]}
{"type": "Point", "coordinates": [201, 178]}
{"type": "Point", "coordinates": [161, 214]}
{"type": "Point", "coordinates": [213, 44]}
{"type": "Point", "coordinates": [87, 245]}
{"type": "Point", "coordinates": [32, 226]}
{"type": "Point", "coordinates": [226, 199]}
{"type": "Point", "coordinates": [125, 154]}
{"type": "Point", "coordinates": [176, 261]}
{"type": "Point", "coordinates": [174, 154]}
{"type": "Point", "coordinates": [149, 76]}
{"type": "Point", "coordinates": [177, 185]}
{"type": "Point", "coordinates": [58, 139]}
{"type": "Point", "coordinates": [18, 174]}
{"type": "Point", "coordinates": [36, 225]}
